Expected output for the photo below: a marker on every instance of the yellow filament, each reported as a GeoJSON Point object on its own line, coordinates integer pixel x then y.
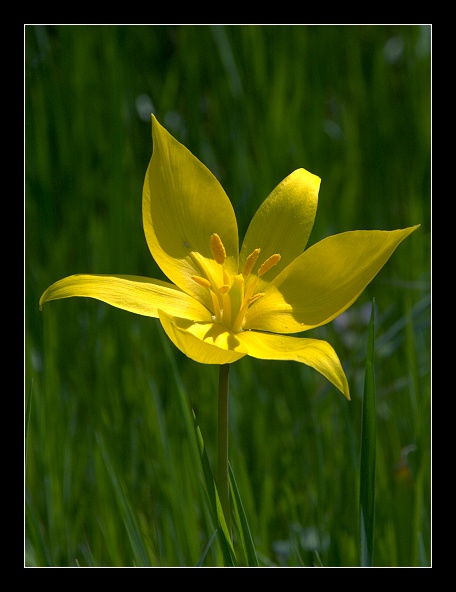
{"type": "Point", "coordinates": [270, 262]}
{"type": "Point", "coordinates": [250, 262]}
{"type": "Point", "coordinates": [216, 305]}
{"type": "Point", "coordinates": [217, 248]}
{"type": "Point", "coordinates": [237, 325]}
{"type": "Point", "coordinates": [226, 278]}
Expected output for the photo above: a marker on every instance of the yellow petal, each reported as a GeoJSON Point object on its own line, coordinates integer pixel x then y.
{"type": "Point", "coordinates": [136, 294]}
{"type": "Point", "coordinates": [283, 222]}
{"type": "Point", "coordinates": [206, 343]}
{"type": "Point", "coordinates": [313, 352]}
{"type": "Point", "coordinates": [324, 281]}
{"type": "Point", "coordinates": [183, 206]}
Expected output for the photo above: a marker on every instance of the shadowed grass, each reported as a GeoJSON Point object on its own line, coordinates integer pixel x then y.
{"type": "Point", "coordinates": [368, 453]}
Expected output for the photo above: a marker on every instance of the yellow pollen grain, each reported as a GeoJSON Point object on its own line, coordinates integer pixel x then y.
{"type": "Point", "coordinates": [217, 248]}
{"type": "Point", "coordinates": [201, 281]}
{"type": "Point", "coordinates": [250, 262]}
{"type": "Point", "coordinates": [270, 262]}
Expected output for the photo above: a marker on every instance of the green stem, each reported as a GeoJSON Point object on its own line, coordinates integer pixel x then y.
{"type": "Point", "coordinates": [223, 483]}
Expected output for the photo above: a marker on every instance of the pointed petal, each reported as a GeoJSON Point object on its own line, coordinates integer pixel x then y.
{"type": "Point", "coordinates": [313, 352]}
{"type": "Point", "coordinates": [136, 294]}
{"type": "Point", "coordinates": [206, 343]}
{"type": "Point", "coordinates": [283, 222]}
{"type": "Point", "coordinates": [183, 205]}
{"type": "Point", "coordinates": [324, 281]}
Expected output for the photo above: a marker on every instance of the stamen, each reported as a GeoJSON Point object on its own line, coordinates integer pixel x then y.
{"type": "Point", "coordinates": [256, 297]}
{"type": "Point", "coordinates": [240, 318]}
{"type": "Point", "coordinates": [201, 281]}
{"type": "Point", "coordinates": [224, 289]}
{"type": "Point", "coordinates": [250, 262]}
{"type": "Point", "coordinates": [270, 262]}
{"type": "Point", "coordinates": [217, 248]}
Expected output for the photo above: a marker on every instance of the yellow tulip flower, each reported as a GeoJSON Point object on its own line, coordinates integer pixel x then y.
{"type": "Point", "coordinates": [221, 303]}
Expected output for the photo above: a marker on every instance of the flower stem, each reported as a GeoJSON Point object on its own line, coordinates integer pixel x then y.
{"type": "Point", "coordinates": [223, 483]}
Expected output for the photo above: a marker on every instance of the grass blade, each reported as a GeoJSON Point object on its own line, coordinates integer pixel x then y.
{"type": "Point", "coordinates": [204, 553]}
{"type": "Point", "coordinates": [368, 444]}
{"type": "Point", "coordinates": [28, 410]}
{"type": "Point", "coordinates": [242, 524]}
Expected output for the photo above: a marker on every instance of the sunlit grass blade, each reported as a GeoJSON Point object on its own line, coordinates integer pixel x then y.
{"type": "Point", "coordinates": [140, 553]}
{"type": "Point", "coordinates": [242, 524]}
{"type": "Point", "coordinates": [214, 501]}
{"type": "Point", "coordinates": [368, 445]}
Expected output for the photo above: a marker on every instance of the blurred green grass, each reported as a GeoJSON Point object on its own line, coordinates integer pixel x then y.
{"type": "Point", "coordinates": [112, 476]}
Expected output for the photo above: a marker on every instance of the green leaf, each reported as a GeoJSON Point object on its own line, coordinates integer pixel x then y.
{"type": "Point", "coordinates": [368, 445]}
{"type": "Point", "coordinates": [242, 524]}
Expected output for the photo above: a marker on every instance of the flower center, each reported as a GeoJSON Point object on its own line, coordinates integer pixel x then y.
{"type": "Point", "coordinates": [231, 299]}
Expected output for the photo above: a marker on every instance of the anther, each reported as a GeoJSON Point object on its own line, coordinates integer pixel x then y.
{"type": "Point", "coordinates": [201, 281]}
{"type": "Point", "coordinates": [256, 297]}
{"type": "Point", "coordinates": [270, 262]}
{"type": "Point", "coordinates": [217, 248]}
{"type": "Point", "coordinates": [250, 262]}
